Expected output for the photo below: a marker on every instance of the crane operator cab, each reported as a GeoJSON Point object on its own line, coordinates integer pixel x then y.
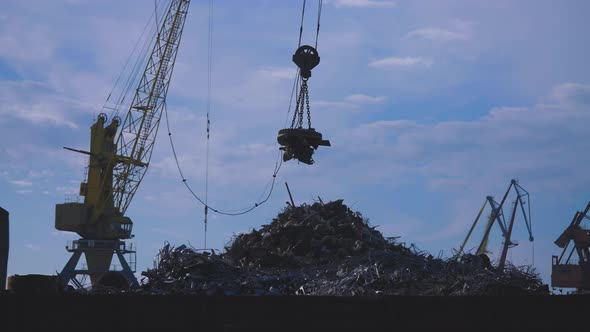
{"type": "Point", "coordinates": [297, 142]}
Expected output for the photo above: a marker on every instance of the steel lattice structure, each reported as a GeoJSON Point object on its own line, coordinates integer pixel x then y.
{"type": "Point", "coordinates": [136, 139]}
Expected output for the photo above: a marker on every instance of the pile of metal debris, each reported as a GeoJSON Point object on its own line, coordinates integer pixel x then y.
{"type": "Point", "coordinates": [307, 235]}
{"type": "Point", "coordinates": [327, 249]}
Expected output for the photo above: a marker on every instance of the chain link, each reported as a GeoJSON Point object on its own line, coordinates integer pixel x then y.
{"type": "Point", "coordinates": [307, 102]}
{"type": "Point", "coordinates": [301, 105]}
{"type": "Point", "coordinates": [296, 112]}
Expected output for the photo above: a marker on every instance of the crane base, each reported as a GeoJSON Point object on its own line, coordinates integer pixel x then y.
{"type": "Point", "coordinates": [98, 255]}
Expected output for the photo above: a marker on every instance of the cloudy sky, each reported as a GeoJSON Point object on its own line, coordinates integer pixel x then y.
{"type": "Point", "coordinates": [430, 106]}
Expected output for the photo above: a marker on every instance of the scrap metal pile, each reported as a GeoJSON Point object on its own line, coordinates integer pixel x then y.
{"type": "Point", "coordinates": [327, 249]}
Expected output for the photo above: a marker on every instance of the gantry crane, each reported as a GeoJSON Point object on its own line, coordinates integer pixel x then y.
{"type": "Point", "coordinates": [117, 167]}
{"type": "Point", "coordinates": [563, 273]}
{"type": "Point", "coordinates": [497, 215]}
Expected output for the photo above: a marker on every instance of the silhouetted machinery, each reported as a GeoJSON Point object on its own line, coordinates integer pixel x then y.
{"type": "Point", "coordinates": [565, 274]}
{"type": "Point", "coordinates": [497, 216]}
{"type": "Point", "coordinates": [296, 141]}
{"type": "Point", "coordinates": [116, 168]}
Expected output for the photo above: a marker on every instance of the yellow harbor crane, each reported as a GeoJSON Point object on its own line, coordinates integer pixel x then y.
{"type": "Point", "coordinates": [119, 156]}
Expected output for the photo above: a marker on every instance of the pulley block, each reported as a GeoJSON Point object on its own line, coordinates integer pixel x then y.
{"type": "Point", "coordinates": [306, 58]}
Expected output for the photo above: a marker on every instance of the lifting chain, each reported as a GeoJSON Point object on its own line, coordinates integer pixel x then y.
{"type": "Point", "coordinates": [307, 102]}
{"type": "Point", "coordinates": [306, 57]}
{"type": "Point", "coordinates": [296, 142]}
{"type": "Point", "coordinates": [301, 105]}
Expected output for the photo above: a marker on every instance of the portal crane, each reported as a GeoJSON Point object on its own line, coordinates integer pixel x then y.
{"type": "Point", "coordinates": [117, 167]}
{"type": "Point", "coordinates": [497, 215]}
{"type": "Point", "coordinates": [563, 273]}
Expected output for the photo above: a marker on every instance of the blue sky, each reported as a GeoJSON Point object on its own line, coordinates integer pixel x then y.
{"type": "Point", "coordinates": [430, 106]}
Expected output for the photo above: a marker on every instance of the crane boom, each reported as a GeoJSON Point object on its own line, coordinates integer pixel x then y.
{"type": "Point", "coordinates": [140, 126]}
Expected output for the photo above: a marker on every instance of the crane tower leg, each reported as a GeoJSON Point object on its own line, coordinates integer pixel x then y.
{"type": "Point", "coordinates": [99, 254]}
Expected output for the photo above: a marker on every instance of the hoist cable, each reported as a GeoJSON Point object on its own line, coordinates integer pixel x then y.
{"type": "Point", "coordinates": [533, 253]}
{"type": "Point", "coordinates": [139, 64]}
{"type": "Point", "coordinates": [132, 75]}
{"type": "Point", "coordinates": [301, 26]}
{"type": "Point", "coordinates": [185, 182]}
{"type": "Point", "coordinates": [531, 228]}
{"type": "Point", "coordinates": [302, 102]}
{"type": "Point", "coordinates": [156, 12]}
{"type": "Point", "coordinates": [209, 66]}
{"type": "Point", "coordinates": [128, 60]}
{"type": "Point", "coordinates": [205, 204]}
{"type": "Point", "coordinates": [293, 89]}
{"type": "Point", "coordinates": [279, 161]}
{"type": "Point", "coordinates": [320, 3]}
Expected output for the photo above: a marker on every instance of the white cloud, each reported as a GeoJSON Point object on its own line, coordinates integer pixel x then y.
{"type": "Point", "coordinates": [398, 62]}
{"type": "Point", "coordinates": [535, 141]}
{"type": "Point", "coordinates": [373, 129]}
{"type": "Point", "coordinates": [350, 102]}
{"type": "Point", "coordinates": [40, 174]}
{"type": "Point", "coordinates": [572, 93]}
{"type": "Point", "coordinates": [66, 190]}
{"type": "Point", "coordinates": [365, 99]}
{"type": "Point", "coordinates": [362, 3]}
{"type": "Point", "coordinates": [33, 247]}
{"type": "Point", "coordinates": [283, 73]}
{"type": "Point", "coordinates": [438, 34]}
{"type": "Point", "coordinates": [22, 183]}
{"type": "Point", "coordinates": [170, 233]}
{"type": "Point", "coordinates": [24, 191]}
{"type": "Point", "coordinates": [325, 104]}
{"type": "Point", "coordinates": [31, 101]}
{"type": "Point", "coordinates": [25, 41]}
{"type": "Point", "coordinates": [539, 144]}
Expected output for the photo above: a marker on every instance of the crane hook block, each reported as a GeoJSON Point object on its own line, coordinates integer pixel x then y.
{"type": "Point", "coordinates": [299, 143]}
{"type": "Point", "coordinates": [306, 58]}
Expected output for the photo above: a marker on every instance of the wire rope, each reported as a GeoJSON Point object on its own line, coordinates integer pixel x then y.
{"type": "Point", "coordinates": [278, 162]}
{"type": "Point", "coordinates": [209, 68]}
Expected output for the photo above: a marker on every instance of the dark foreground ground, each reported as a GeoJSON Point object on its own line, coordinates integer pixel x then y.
{"type": "Point", "coordinates": [21, 312]}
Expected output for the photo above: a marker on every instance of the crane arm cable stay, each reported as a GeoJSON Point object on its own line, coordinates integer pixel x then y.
{"type": "Point", "coordinates": [163, 41]}
{"type": "Point", "coordinates": [137, 136]}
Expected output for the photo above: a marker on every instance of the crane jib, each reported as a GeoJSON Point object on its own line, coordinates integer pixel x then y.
{"type": "Point", "coordinates": [137, 136]}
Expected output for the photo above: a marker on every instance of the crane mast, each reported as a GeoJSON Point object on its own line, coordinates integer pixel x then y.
{"type": "Point", "coordinates": [117, 167]}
